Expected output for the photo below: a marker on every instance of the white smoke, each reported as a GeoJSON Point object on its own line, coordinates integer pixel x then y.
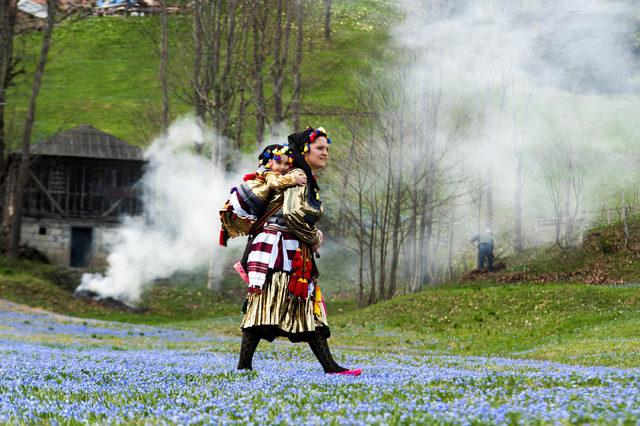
{"type": "Point", "coordinates": [183, 192]}
{"type": "Point", "coordinates": [531, 73]}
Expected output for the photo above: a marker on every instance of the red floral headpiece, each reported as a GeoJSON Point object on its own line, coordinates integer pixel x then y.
{"type": "Point", "coordinates": [320, 131]}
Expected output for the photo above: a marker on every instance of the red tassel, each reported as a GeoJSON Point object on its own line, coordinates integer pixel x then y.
{"type": "Point", "coordinates": [223, 238]}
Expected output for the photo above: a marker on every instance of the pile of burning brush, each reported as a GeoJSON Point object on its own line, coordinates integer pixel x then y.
{"type": "Point", "coordinates": [108, 302]}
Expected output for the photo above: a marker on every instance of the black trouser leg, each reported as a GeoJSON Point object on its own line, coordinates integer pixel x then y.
{"type": "Point", "coordinates": [248, 347]}
{"type": "Point", "coordinates": [320, 347]}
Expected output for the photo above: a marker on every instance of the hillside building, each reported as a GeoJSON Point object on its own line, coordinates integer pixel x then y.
{"type": "Point", "coordinates": [80, 183]}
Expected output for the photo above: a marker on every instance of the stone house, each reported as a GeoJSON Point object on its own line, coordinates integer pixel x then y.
{"type": "Point", "coordinates": [80, 183]}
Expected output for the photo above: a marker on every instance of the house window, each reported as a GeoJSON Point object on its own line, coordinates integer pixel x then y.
{"type": "Point", "coordinates": [42, 230]}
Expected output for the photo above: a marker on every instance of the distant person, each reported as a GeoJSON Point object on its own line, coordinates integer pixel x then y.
{"type": "Point", "coordinates": [485, 249]}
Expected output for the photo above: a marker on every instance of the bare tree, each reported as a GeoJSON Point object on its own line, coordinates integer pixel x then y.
{"type": "Point", "coordinates": [8, 71]}
{"type": "Point", "coordinates": [16, 222]}
{"type": "Point", "coordinates": [247, 62]}
{"type": "Point", "coordinates": [394, 175]}
{"type": "Point", "coordinates": [220, 55]}
{"type": "Point", "coordinates": [563, 177]}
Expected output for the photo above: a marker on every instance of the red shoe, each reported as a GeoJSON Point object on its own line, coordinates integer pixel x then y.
{"type": "Point", "coordinates": [355, 372]}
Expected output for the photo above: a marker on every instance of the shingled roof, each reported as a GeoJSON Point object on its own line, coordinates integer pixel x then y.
{"type": "Point", "coordinates": [87, 141]}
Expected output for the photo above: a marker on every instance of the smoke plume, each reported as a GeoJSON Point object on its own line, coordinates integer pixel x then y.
{"type": "Point", "coordinates": [182, 193]}
{"type": "Point", "coordinates": [538, 80]}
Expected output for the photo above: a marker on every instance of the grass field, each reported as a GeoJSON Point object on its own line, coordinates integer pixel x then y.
{"type": "Point", "coordinates": [572, 323]}
{"type": "Point", "coordinates": [68, 370]}
{"type": "Point", "coordinates": [463, 353]}
{"type": "Point", "coordinates": [563, 320]}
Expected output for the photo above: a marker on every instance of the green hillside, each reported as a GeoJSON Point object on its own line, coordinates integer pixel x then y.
{"type": "Point", "coordinates": [103, 71]}
{"type": "Point", "coordinates": [602, 258]}
{"type": "Point", "coordinates": [577, 324]}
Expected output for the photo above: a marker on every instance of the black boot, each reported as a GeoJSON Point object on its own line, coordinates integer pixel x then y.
{"type": "Point", "coordinates": [247, 348]}
{"type": "Point", "coordinates": [320, 347]}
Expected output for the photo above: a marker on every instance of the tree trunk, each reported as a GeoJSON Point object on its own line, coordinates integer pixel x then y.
{"type": "Point", "coordinates": [241, 114]}
{"type": "Point", "coordinates": [297, 77]}
{"type": "Point", "coordinates": [258, 79]}
{"type": "Point", "coordinates": [361, 236]}
{"type": "Point", "coordinates": [450, 249]}
{"type": "Point", "coordinates": [489, 221]}
{"type": "Point", "coordinates": [277, 61]}
{"type": "Point", "coordinates": [412, 244]}
{"type": "Point", "coordinates": [384, 228]}
{"type": "Point", "coordinates": [227, 84]}
{"type": "Point", "coordinates": [518, 242]}
{"type": "Point", "coordinates": [327, 20]}
{"type": "Point", "coordinates": [16, 223]}
{"type": "Point", "coordinates": [164, 59]}
{"type": "Point", "coordinates": [199, 94]}
{"type": "Point", "coordinates": [480, 191]}
{"type": "Point", "coordinates": [7, 32]}
{"type": "Point", "coordinates": [625, 221]}
{"type": "Point", "coordinates": [395, 246]}
{"type": "Point", "coordinates": [213, 37]}
{"type": "Point", "coordinates": [372, 263]}
{"type": "Point", "coordinates": [426, 227]}
{"type": "Point", "coordinates": [427, 277]}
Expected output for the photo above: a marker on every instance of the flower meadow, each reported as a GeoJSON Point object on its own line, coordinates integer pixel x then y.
{"type": "Point", "coordinates": [65, 371]}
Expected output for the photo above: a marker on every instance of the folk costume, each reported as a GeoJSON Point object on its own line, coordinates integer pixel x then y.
{"type": "Point", "coordinates": [284, 296]}
{"type": "Point", "coordinates": [248, 201]}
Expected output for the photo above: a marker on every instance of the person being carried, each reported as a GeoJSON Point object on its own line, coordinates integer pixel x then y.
{"type": "Point", "coordinates": [485, 248]}
{"type": "Point", "coordinates": [248, 201]}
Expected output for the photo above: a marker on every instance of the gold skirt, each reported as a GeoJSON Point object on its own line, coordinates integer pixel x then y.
{"type": "Point", "coordinates": [273, 313]}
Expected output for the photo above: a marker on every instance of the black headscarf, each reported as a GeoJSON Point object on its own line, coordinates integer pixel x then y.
{"type": "Point", "coordinates": [297, 143]}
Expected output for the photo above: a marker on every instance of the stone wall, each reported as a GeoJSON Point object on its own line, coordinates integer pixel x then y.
{"type": "Point", "coordinates": [53, 238]}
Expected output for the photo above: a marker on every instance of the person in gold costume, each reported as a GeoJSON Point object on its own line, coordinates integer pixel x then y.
{"type": "Point", "coordinates": [284, 296]}
{"type": "Point", "coordinates": [248, 201]}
